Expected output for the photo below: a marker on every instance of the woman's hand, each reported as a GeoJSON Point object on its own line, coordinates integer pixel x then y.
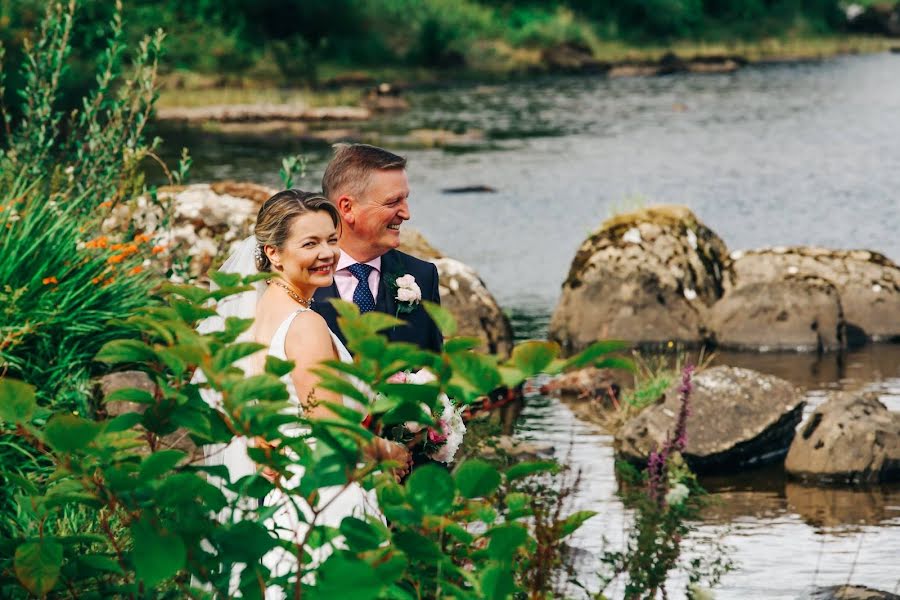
{"type": "Point", "coordinates": [392, 451]}
{"type": "Point", "coordinates": [269, 447]}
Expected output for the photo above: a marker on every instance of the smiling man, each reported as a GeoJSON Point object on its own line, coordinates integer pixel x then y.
{"type": "Point", "coordinates": [370, 189]}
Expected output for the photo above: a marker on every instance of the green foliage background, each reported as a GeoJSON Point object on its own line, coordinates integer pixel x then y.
{"type": "Point", "coordinates": [298, 36]}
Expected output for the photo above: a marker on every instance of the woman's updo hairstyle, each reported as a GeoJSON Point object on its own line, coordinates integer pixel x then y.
{"type": "Point", "coordinates": [277, 214]}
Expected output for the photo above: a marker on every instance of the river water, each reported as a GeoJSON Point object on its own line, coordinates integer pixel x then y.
{"type": "Point", "coordinates": [767, 156]}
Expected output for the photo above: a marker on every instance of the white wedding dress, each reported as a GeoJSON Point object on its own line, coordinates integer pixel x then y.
{"type": "Point", "coordinates": [340, 501]}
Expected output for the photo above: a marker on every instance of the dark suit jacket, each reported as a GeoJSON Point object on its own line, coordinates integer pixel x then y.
{"type": "Point", "coordinates": [420, 328]}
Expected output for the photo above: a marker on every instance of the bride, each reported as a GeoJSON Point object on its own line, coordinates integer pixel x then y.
{"type": "Point", "coordinates": [296, 239]}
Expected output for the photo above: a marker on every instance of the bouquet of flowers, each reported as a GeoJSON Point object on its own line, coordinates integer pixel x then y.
{"type": "Point", "coordinates": [440, 442]}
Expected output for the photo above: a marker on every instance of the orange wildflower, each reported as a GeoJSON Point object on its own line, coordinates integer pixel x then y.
{"type": "Point", "coordinates": [106, 204]}
{"type": "Point", "coordinates": [115, 259]}
{"type": "Point", "coordinates": [49, 280]}
{"type": "Point", "coordinates": [117, 246]}
{"type": "Point", "coordinates": [129, 250]}
{"type": "Point", "coordinates": [136, 270]}
{"type": "Point", "coordinates": [99, 242]}
{"type": "Point", "coordinates": [96, 280]}
{"type": "Point", "coordinates": [141, 238]}
{"type": "Point", "coordinates": [158, 249]}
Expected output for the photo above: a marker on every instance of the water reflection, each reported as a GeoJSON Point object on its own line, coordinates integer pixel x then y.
{"type": "Point", "coordinates": [830, 508]}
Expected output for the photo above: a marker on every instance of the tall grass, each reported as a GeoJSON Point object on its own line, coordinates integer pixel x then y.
{"type": "Point", "coordinates": [64, 277]}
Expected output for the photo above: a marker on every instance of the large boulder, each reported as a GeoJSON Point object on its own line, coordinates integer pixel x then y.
{"type": "Point", "coordinates": [867, 283]}
{"type": "Point", "coordinates": [647, 277]}
{"type": "Point", "coordinates": [738, 418]}
{"type": "Point", "coordinates": [851, 438]}
{"type": "Point", "coordinates": [793, 313]}
{"type": "Point", "coordinates": [464, 294]}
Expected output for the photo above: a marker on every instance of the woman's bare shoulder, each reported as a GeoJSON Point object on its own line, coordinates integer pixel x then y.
{"type": "Point", "coordinates": [309, 334]}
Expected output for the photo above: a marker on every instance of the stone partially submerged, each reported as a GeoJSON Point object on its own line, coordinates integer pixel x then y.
{"type": "Point", "coordinates": [851, 438]}
{"type": "Point", "coordinates": [738, 418]}
{"type": "Point", "coordinates": [867, 283]}
{"type": "Point", "coordinates": [800, 314]}
{"type": "Point", "coordinates": [647, 277]}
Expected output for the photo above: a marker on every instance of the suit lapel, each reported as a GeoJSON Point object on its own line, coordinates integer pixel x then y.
{"type": "Point", "coordinates": [386, 302]}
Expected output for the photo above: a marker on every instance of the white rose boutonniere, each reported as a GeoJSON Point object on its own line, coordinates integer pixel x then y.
{"type": "Point", "coordinates": [407, 293]}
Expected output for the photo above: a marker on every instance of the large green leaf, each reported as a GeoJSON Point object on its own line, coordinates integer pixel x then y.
{"type": "Point", "coordinates": [360, 535]}
{"type": "Point", "coordinates": [157, 555]}
{"type": "Point", "coordinates": [574, 521]}
{"type": "Point", "coordinates": [531, 467]}
{"type": "Point", "coordinates": [533, 357]}
{"type": "Point", "coordinates": [431, 489]}
{"type": "Point", "coordinates": [131, 394]}
{"type": "Point", "coordinates": [259, 387]}
{"type": "Point", "coordinates": [234, 352]}
{"type": "Point", "coordinates": [68, 433]}
{"type": "Point", "coordinates": [442, 318]}
{"type": "Point", "coordinates": [478, 370]}
{"type": "Point", "coordinates": [348, 579]}
{"type": "Point", "coordinates": [497, 583]}
{"type": "Point", "coordinates": [277, 366]}
{"type": "Point", "coordinates": [506, 541]}
{"type": "Point", "coordinates": [126, 351]}
{"type": "Point", "coordinates": [17, 402]}
{"type": "Point", "coordinates": [591, 355]}
{"type": "Point", "coordinates": [476, 479]}
{"type": "Point", "coordinates": [37, 565]}
{"type": "Point", "coordinates": [159, 463]}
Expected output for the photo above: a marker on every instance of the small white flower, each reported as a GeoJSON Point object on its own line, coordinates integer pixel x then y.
{"type": "Point", "coordinates": [454, 428]}
{"type": "Point", "coordinates": [677, 494]}
{"type": "Point", "coordinates": [421, 376]}
{"type": "Point", "coordinates": [408, 290]}
{"type": "Point", "coordinates": [633, 236]}
{"type": "Point", "coordinates": [690, 294]}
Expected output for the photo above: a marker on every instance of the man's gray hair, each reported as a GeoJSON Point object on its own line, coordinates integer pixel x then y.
{"type": "Point", "coordinates": [350, 169]}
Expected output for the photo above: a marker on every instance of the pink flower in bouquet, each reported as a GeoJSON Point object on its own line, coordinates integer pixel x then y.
{"type": "Point", "coordinates": [438, 435]}
{"type": "Point", "coordinates": [398, 377]}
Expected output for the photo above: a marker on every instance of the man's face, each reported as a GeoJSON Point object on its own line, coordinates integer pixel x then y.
{"type": "Point", "coordinates": [381, 209]}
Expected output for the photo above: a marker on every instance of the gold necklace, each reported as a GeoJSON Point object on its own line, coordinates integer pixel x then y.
{"type": "Point", "coordinates": [305, 303]}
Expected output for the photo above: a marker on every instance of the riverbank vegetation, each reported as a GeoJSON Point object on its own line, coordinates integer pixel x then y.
{"type": "Point", "coordinates": [266, 45]}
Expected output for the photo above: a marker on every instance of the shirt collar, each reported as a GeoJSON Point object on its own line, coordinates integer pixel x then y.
{"type": "Point", "coordinates": [346, 260]}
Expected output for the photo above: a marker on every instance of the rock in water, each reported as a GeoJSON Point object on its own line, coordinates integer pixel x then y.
{"type": "Point", "coordinates": [738, 418]}
{"type": "Point", "coordinates": [849, 592]}
{"type": "Point", "coordinates": [648, 277]}
{"type": "Point", "coordinates": [867, 283]}
{"type": "Point", "coordinates": [851, 438]}
{"type": "Point", "coordinates": [795, 313]}
{"type": "Point", "coordinates": [464, 294]}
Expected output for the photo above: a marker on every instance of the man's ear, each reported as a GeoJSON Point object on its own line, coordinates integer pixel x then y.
{"type": "Point", "coordinates": [345, 209]}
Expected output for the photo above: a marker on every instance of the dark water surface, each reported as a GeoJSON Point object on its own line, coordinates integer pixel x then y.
{"type": "Point", "coordinates": [767, 156]}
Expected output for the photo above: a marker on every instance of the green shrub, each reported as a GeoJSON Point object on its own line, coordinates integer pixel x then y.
{"type": "Point", "coordinates": [151, 524]}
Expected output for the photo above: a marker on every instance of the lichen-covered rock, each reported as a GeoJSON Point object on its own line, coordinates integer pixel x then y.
{"type": "Point", "coordinates": [793, 313]}
{"type": "Point", "coordinates": [868, 283]}
{"type": "Point", "coordinates": [206, 220]}
{"type": "Point", "coordinates": [851, 438]}
{"type": "Point", "coordinates": [738, 417]}
{"type": "Point", "coordinates": [464, 294]}
{"type": "Point", "coordinates": [647, 277]}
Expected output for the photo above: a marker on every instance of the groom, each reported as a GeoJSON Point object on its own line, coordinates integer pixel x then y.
{"type": "Point", "coordinates": [368, 185]}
